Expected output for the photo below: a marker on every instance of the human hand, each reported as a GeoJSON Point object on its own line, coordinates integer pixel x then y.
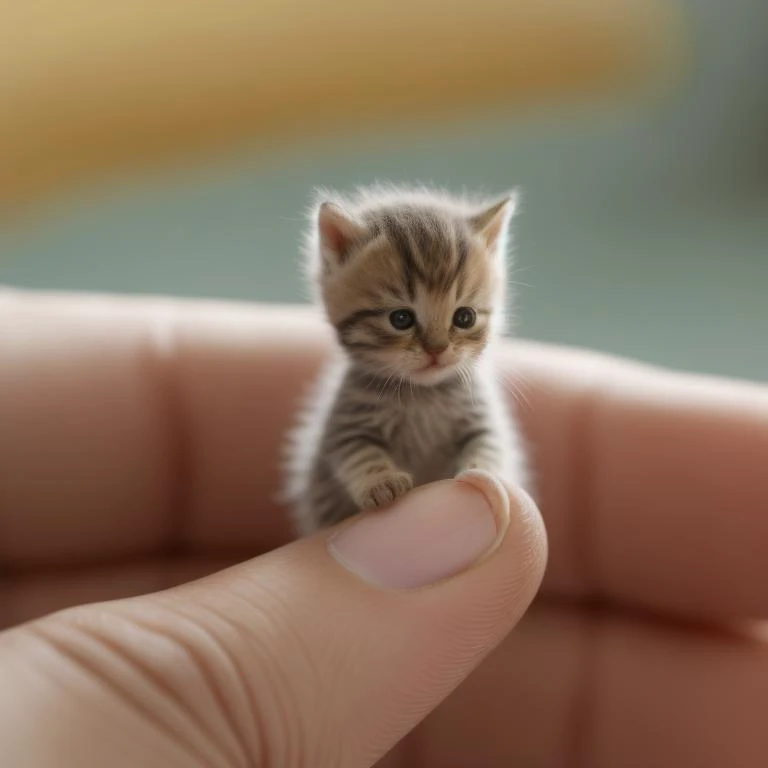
{"type": "Point", "coordinates": [139, 449]}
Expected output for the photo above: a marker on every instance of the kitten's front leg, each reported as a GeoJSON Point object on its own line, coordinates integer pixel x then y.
{"type": "Point", "coordinates": [364, 467]}
{"type": "Point", "coordinates": [479, 448]}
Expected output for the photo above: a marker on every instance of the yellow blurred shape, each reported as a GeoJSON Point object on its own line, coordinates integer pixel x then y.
{"type": "Point", "coordinates": [90, 88]}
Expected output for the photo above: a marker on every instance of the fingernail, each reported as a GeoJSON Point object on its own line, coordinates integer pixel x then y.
{"type": "Point", "coordinates": [433, 533]}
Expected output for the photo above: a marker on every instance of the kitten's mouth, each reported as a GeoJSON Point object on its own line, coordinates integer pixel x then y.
{"type": "Point", "coordinates": [434, 366]}
{"type": "Point", "coordinates": [432, 372]}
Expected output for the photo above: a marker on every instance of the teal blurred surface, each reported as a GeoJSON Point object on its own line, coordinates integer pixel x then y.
{"type": "Point", "coordinates": [643, 230]}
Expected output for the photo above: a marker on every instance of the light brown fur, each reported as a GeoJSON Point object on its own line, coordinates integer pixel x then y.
{"type": "Point", "coordinates": [413, 283]}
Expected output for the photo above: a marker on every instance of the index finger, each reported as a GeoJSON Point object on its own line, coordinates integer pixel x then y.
{"type": "Point", "coordinates": [133, 425]}
{"type": "Point", "coordinates": [653, 484]}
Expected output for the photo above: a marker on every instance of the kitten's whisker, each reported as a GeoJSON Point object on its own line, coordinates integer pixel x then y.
{"type": "Point", "coordinates": [517, 269]}
{"type": "Point", "coordinates": [521, 380]}
{"type": "Point", "coordinates": [384, 386]}
{"type": "Point", "coordinates": [513, 388]}
{"type": "Point", "coordinates": [519, 282]}
{"type": "Point", "coordinates": [466, 379]}
{"type": "Point", "coordinates": [371, 381]}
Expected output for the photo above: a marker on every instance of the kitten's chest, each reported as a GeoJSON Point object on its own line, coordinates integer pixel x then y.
{"type": "Point", "coordinates": [422, 437]}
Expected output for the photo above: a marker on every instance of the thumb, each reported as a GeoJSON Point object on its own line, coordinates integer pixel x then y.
{"type": "Point", "coordinates": [326, 652]}
{"type": "Point", "coordinates": [355, 635]}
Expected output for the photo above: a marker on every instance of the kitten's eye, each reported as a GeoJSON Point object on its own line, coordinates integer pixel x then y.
{"type": "Point", "coordinates": [402, 319]}
{"type": "Point", "coordinates": [464, 317]}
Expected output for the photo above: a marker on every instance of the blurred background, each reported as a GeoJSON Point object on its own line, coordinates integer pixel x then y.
{"type": "Point", "coordinates": [643, 230]}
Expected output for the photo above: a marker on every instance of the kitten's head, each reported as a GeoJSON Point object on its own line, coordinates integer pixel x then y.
{"type": "Point", "coordinates": [412, 281]}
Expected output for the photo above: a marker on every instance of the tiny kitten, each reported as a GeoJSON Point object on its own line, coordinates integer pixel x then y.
{"type": "Point", "coordinates": [413, 282]}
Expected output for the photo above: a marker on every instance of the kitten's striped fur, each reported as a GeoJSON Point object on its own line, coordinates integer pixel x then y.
{"type": "Point", "coordinates": [384, 421]}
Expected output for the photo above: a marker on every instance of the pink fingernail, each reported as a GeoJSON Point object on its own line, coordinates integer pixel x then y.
{"type": "Point", "coordinates": [433, 533]}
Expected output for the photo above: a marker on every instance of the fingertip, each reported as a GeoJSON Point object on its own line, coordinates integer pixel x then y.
{"type": "Point", "coordinates": [496, 496]}
{"type": "Point", "coordinates": [515, 509]}
{"type": "Point", "coordinates": [431, 534]}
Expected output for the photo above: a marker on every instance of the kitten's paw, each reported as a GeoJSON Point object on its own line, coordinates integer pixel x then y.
{"type": "Point", "coordinates": [384, 489]}
{"type": "Point", "coordinates": [479, 464]}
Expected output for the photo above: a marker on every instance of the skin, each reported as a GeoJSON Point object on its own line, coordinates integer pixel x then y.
{"type": "Point", "coordinates": [158, 425]}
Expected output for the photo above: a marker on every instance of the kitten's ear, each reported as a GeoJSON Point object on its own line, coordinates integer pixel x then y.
{"type": "Point", "coordinates": [491, 224]}
{"type": "Point", "coordinates": [338, 233]}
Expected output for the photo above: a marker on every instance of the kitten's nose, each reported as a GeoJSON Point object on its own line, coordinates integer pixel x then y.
{"type": "Point", "coordinates": [435, 350]}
